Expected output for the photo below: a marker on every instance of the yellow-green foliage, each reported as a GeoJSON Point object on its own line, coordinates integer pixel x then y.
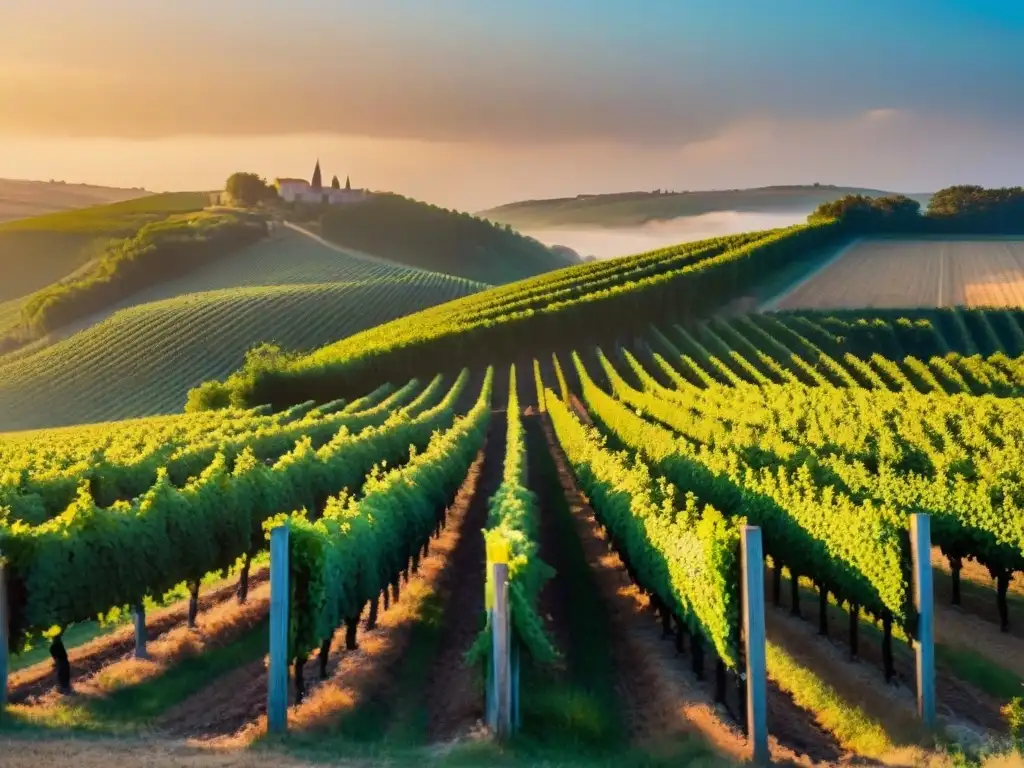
{"type": "Point", "coordinates": [851, 726]}
{"type": "Point", "coordinates": [513, 523]}
{"type": "Point", "coordinates": [357, 547]}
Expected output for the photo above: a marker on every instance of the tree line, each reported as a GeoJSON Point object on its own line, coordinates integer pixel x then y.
{"type": "Point", "coordinates": [438, 239]}
{"type": "Point", "coordinates": [967, 209]}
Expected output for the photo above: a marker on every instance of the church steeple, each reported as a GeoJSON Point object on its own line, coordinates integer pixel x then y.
{"type": "Point", "coordinates": [317, 182]}
{"type": "Point", "coordinates": [348, 184]}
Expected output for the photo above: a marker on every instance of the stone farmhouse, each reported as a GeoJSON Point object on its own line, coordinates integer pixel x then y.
{"type": "Point", "coordinates": [292, 190]}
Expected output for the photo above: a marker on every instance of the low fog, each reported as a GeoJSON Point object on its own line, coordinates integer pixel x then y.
{"type": "Point", "coordinates": [606, 243]}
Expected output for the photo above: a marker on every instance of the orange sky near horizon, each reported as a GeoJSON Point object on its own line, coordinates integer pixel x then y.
{"type": "Point", "coordinates": [472, 103]}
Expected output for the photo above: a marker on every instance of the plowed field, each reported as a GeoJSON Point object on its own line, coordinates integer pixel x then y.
{"type": "Point", "coordinates": [916, 273]}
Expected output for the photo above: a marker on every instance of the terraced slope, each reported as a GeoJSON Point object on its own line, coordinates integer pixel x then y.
{"type": "Point", "coordinates": [142, 359]}
{"type": "Point", "coordinates": [37, 251]}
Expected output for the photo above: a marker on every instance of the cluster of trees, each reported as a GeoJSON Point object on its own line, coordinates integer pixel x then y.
{"type": "Point", "coordinates": [438, 239]}
{"type": "Point", "coordinates": [157, 252]}
{"type": "Point", "coordinates": [249, 189]}
{"type": "Point", "coordinates": [866, 213]}
{"type": "Point", "coordinates": [993, 210]}
{"type": "Point", "coordinates": [964, 208]}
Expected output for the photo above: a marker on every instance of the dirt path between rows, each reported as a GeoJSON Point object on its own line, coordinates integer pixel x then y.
{"type": "Point", "coordinates": [661, 695]}
{"type": "Point", "coordinates": [977, 594]}
{"type": "Point", "coordinates": [90, 658]}
{"type": "Point", "coordinates": [231, 711]}
{"type": "Point", "coordinates": [958, 629]}
{"type": "Point", "coordinates": [856, 683]}
{"type": "Point", "coordinates": [78, 752]}
{"type": "Point", "coordinates": [454, 702]}
{"type": "Point", "coordinates": [959, 703]}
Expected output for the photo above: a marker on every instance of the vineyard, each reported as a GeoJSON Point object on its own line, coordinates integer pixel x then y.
{"type": "Point", "coordinates": [564, 552]}
{"type": "Point", "coordinates": [143, 358]}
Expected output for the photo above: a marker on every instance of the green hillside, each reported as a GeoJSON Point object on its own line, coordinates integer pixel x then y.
{"type": "Point", "coordinates": [37, 251]}
{"type": "Point", "coordinates": [143, 357]}
{"type": "Point", "coordinates": [22, 198]}
{"type": "Point", "coordinates": [576, 305]}
{"type": "Point", "coordinates": [430, 237]}
{"type": "Point", "coordinates": [635, 208]}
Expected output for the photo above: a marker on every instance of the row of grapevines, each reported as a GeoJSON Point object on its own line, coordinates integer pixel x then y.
{"type": "Point", "coordinates": [957, 458]}
{"type": "Point", "coordinates": [35, 498]}
{"type": "Point", "coordinates": [447, 337]}
{"type": "Point", "coordinates": [856, 549]}
{"type": "Point", "coordinates": [512, 537]}
{"type": "Point", "coordinates": [678, 547]}
{"type": "Point", "coordinates": [90, 559]}
{"type": "Point", "coordinates": [344, 559]}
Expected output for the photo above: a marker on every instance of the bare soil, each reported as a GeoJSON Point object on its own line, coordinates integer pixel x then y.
{"type": "Point", "coordinates": [88, 659]}
{"type": "Point", "coordinates": [136, 753]}
{"type": "Point", "coordinates": [218, 626]}
{"type": "Point", "coordinates": [231, 711]}
{"type": "Point", "coordinates": [977, 593]}
{"type": "Point", "coordinates": [454, 701]}
{"type": "Point", "coordinates": [958, 702]}
{"type": "Point", "coordinates": [855, 682]}
{"type": "Point", "coordinates": [659, 692]}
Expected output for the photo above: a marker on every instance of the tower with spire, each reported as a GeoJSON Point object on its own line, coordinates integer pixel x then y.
{"type": "Point", "coordinates": [299, 190]}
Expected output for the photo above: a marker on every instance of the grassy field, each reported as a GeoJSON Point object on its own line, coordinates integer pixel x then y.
{"type": "Point", "coordinates": [634, 208]}
{"type": "Point", "coordinates": [142, 358]}
{"type": "Point", "coordinates": [20, 198]}
{"type": "Point", "coordinates": [971, 272]}
{"type": "Point", "coordinates": [37, 251]}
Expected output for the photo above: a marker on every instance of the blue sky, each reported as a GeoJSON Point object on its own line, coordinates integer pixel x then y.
{"type": "Point", "coordinates": [937, 80]}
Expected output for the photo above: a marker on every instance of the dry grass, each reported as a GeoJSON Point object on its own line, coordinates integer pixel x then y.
{"type": "Point", "coordinates": [223, 610]}
{"type": "Point", "coordinates": [215, 627]}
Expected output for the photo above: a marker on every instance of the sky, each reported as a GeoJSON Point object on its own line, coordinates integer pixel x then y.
{"type": "Point", "coordinates": [471, 103]}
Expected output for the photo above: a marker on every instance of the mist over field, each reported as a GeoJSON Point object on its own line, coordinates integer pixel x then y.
{"type": "Point", "coordinates": [606, 243]}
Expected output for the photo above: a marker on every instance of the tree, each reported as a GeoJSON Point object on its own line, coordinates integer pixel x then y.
{"type": "Point", "coordinates": [248, 188]}
{"type": "Point", "coordinates": [335, 184]}
{"type": "Point", "coordinates": [888, 213]}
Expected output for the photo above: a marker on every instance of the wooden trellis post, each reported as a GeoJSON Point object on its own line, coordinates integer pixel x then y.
{"type": "Point", "coordinates": [924, 648]}
{"type": "Point", "coordinates": [4, 635]}
{"type": "Point", "coordinates": [752, 557]}
{"type": "Point", "coordinates": [501, 666]}
{"type": "Point", "coordinates": [277, 676]}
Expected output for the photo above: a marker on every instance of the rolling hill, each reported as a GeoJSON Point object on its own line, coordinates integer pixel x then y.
{"type": "Point", "coordinates": [429, 237]}
{"type": "Point", "coordinates": [20, 198]}
{"type": "Point", "coordinates": [141, 357]}
{"type": "Point", "coordinates": [37, 251]}
{"type": "Point", "coordinates": [634, 208]}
